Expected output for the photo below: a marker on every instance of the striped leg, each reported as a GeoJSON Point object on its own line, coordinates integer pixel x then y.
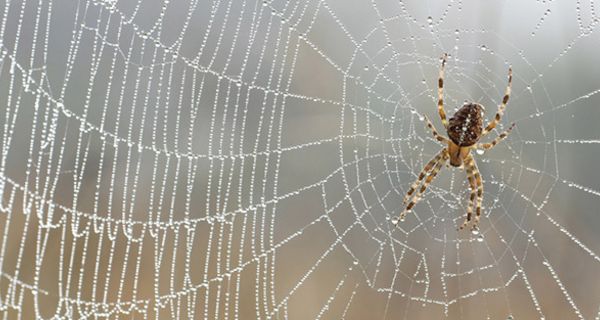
{"type": "Point", "coordinates": [422, 174]}
{"type": "Point", "coordinates": [441, 92]}
{"type": "Point", "coordinates": [436, 135]}
{"type": "Point", "coordinates": [487, 146]}
{"type": "Point", "coordinates": [479, 184]}
{"type": "Point", "coordinates": [430, 178]}
{"type": "Point", "coordinates": [473, 187]}
{"type": "Point", "coordinates": [501, 108]}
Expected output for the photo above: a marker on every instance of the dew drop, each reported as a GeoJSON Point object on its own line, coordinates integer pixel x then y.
{"type": "Point", "coordinates": [483, 48]}
{"type": "Point", "coordinates": [480, 151]}
{"type": "Point", "coordinates": [475, 231]}
{"type": "Point", "coordinates": [480, 238]}
{"type": "Point", "coordinates": [395, 221]}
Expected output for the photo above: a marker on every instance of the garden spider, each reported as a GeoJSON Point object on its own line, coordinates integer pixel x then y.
{"type": "Point", "coordinates": [464, 129]}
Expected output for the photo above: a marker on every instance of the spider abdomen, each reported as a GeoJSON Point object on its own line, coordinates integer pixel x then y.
{"type": "Point", "coordinates": [465, 126]}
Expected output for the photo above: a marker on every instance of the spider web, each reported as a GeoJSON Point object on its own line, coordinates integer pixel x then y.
{"type": "Point", "coordinates": [243, 159]}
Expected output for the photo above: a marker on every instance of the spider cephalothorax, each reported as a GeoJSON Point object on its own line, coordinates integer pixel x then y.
{"type": "Point", "coordinates": [464, 129]}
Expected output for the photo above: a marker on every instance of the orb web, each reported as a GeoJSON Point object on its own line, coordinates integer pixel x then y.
{"type": "Point", "coordinates": [243, 160]}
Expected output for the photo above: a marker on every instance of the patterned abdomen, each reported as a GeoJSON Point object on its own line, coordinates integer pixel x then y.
{"type": "Point", "coordinates": [465, 126]}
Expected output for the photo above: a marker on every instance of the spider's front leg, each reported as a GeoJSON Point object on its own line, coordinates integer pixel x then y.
{"type": "Point", "coordinates": [473, 187]}
{"type": "Point", "coordinates": [423, 173]}
{"type": "Point", "coordinates": [473, 172]}
{"type": "Point", "coordinates": [437, 162]}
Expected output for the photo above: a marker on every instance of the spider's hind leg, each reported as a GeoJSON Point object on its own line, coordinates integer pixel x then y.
{"type": "Point", "coordinates": [434, 132]}
{"type": "Point", "coordinates": [501, 108]}
{"type": "Point", "coordinates": [441, 110]}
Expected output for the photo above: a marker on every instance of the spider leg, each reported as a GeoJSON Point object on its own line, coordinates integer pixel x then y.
{"type": "Point", "coordinates": [479, 185]}
{"type": "Point", "coordinates": [441, 92]}
{"type": "Point", "coordinates": [422, 174]}
{"type": "Point", "coordinates": [436, 134]}
{"type": "Point", "coordinates": [501, 108]}
{"type": "Point", "coordinates": [430, 177]}
{"type": "Point", "coordinates": [487, 146]}
{"type": "Point", "coordinates": [473, 187]}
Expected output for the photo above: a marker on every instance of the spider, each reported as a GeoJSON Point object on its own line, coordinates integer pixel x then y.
{"type": "Point", "coordinates": [465, 129]}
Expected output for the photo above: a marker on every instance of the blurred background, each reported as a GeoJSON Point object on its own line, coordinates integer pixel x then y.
{"type": "Point", "coordinates": [244, 160]}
